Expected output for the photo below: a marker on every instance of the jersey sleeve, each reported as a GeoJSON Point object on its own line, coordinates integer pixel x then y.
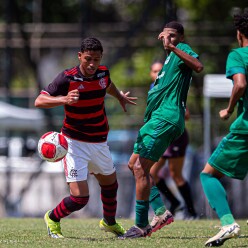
{"type": "Point", "coordinates": [59, 86]}
{"type": "Point", "coordinates": [109, 79]}
{"type": "Point", "coordinates": [234, 64]}
{"type": "Point", "coordinates": [106, 71]}
{"type": "Point", "coordinates": [187, 49]}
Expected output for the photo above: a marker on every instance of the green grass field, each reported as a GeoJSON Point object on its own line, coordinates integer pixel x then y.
{"type": "Point", "coordinates": [85, 233]}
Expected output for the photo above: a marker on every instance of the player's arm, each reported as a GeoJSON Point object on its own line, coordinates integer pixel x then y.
{"type": "Point", "coordinates": [239, 87]}
{"type": "Point", "coordinates": [56, 93]}
{"type": "Point", "coordinates": [189, 60]}
{"type": "Point", "coordinates": [48, 101]}
{"type": "Point", "coordinates": [122, 97]}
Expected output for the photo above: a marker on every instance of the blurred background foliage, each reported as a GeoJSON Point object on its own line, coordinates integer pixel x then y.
{"type": "Point", "coordinates": [39, 38]}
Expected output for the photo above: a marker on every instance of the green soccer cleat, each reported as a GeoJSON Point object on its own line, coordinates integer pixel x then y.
{"type": "Point", "coordinates": [116, 229]}
{"type": "Point", "coordinates": [53, 228]}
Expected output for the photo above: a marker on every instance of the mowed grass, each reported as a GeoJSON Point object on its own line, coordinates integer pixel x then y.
{"type": "Point", "coordinates": [84, 233]}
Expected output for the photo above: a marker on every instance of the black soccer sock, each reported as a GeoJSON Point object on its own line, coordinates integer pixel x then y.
{"type": "Point", "coordinates": [186, 194]}
{"type": "Point", "coordinates": [168, 194]}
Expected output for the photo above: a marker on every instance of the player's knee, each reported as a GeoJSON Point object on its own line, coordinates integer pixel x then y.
{"type": "Point", "coordinates": [205, 176]}
{"type": "Point", "coordinates": [130, 166]}
{"type": "Point", "coordinates": [140, 173]}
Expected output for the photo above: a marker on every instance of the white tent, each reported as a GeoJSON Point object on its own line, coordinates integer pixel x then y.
{"type": "Point", "coordinates": [214, 86]}
{"type": "Point", "coordinates": [17, 118]}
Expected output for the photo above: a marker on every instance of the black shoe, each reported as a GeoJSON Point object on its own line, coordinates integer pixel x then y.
{"type": "Point", "coordinates": [137, 232]}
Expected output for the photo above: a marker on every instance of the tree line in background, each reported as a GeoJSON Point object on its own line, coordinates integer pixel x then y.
{"type": "Point", "coordinates": [128, 30]}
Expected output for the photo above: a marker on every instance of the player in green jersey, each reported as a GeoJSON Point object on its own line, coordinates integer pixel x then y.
{"type": "Point", "coordinates": [164, 122]}
{"type": "Point", "coordinates": [231, 155]}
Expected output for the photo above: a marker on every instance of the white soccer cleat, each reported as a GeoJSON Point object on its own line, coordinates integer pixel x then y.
{"type": "Point", "coordinates": [225, 233]}
{"type": "Point", "coordinates": [162, 220]}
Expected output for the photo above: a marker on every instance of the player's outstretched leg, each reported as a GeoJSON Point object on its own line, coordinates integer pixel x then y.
{"type": "Point", "coordinates": [162, 220]}
{"type": "Point", "coordinates": [53, 228]}
{"type": "Point", "coordinates": [116, 229]}
{"type": "Point", "coordinates": [217, 199]}
{"type": "Point", "coordinates": [225, 233]}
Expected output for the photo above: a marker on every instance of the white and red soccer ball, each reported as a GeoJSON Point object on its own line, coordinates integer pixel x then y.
{"type": "Point", "coordinates": [52, 146]}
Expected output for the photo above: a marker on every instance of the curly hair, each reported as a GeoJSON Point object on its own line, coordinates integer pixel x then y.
{"type": "Point", "coordinates": [241, 23]}
{"type": "Point", "coordinates": [91, 44]}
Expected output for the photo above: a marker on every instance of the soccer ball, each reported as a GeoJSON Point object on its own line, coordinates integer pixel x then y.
{"type": "Point", "coordinates": [52, 146]}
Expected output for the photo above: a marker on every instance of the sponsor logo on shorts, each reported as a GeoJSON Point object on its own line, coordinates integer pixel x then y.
{"type": "Point", "coordinates": [73, 173]}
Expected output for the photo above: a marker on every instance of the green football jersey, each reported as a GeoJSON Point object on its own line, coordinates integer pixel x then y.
{"type": "Point", "coordinates": [237, 62]}
{"type": "Point", "coordinates": [167, 99]}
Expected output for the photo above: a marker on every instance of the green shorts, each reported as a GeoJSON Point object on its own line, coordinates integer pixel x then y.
{"type": "Point", "coordinates": [231, 156]}
{"type": "Point", "coordinates": [154, 138]}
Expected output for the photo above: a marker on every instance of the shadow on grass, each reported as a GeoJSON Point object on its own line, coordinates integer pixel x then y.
{"type": "Point", "coordinates": [196, 237]}
{"type": "Point", "coordinates": [91, 239]}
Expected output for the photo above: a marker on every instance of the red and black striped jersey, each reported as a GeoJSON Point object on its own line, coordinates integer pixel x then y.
{"type": "Point", "coordinates": [85, 120]}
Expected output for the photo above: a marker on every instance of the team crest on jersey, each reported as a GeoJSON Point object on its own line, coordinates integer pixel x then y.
{"type": "Point", "coordinates": [102, 83]}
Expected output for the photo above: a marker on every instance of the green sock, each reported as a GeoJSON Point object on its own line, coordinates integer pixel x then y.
{"type": "Point", "coordinates": [142, 207]}
{"type": "Point", "coordinates": [156, 202]}
{"type": "Point", "coordinates": [217, 198]}
{"type": "Point", "coordinates": [227, 219]}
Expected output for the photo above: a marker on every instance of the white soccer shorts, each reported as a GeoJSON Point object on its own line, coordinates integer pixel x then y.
{"type": "Point", "coordinates": [83, 158]}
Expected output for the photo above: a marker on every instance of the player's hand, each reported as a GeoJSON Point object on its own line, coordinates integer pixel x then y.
{"type": "Point", "coordinates": [166, 39]}
{"type": "Point", "coordinates": [125, 99]}
{"type": "Point", "coordinates": [224, 114]}
{"type": "Point", "coordinates": [72, 97]}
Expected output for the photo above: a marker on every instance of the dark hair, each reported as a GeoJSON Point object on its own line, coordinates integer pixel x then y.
{"type": "Point", "coordinates": [156, 61]}
{"type": "Point", "coordinates": [241, 23]}
{"type": "Point", "coordinates": [175, 25]}
{"type": "Point", "coordinates": [91, 44]}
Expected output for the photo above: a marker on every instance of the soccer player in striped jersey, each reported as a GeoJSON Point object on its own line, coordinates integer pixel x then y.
{"type": "Point", "coordinates": [230, 158]}
{"type": "Point", "coordinates": [81, 90]}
